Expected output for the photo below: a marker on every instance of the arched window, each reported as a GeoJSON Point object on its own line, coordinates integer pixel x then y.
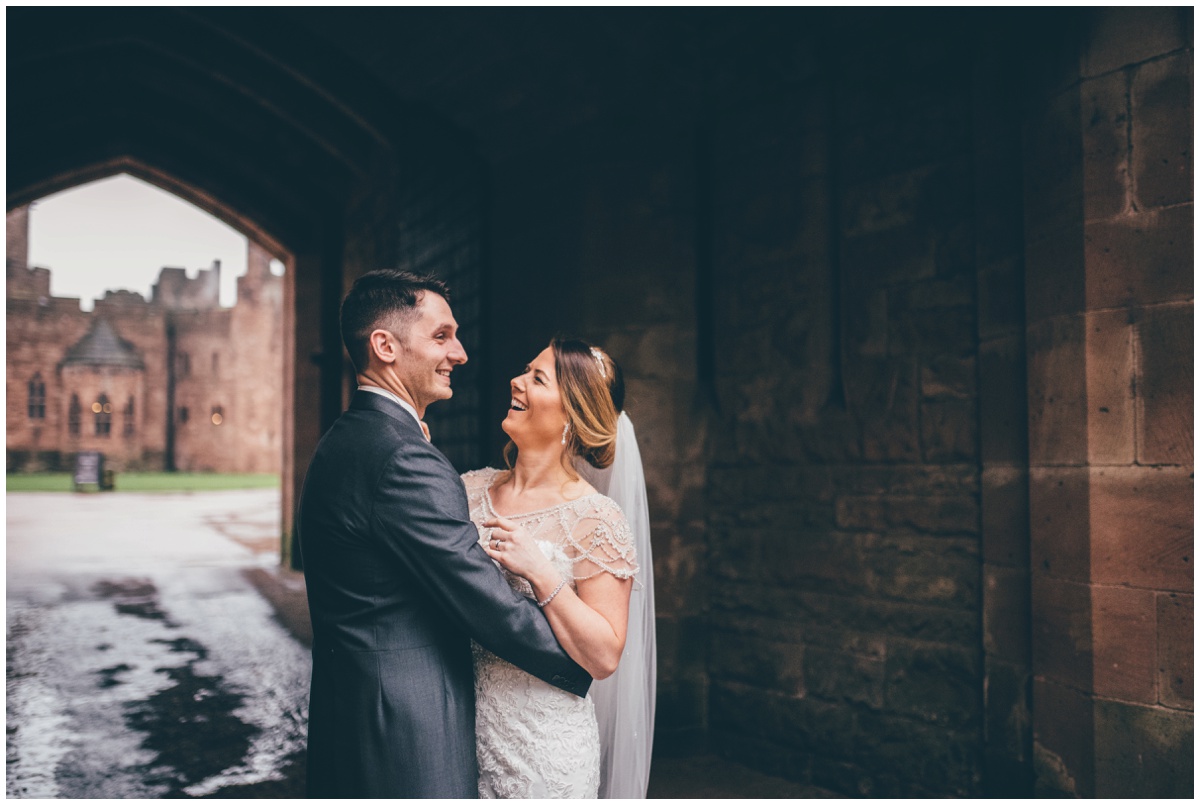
{"type": "Point", "coordinates": [37, 397]}
{"type": "Point", "coordinates": [102, 408]}
{"type": "Point", "coordinates": [129, 429]}
{"type": "Point", "coordinates": [74, 416]}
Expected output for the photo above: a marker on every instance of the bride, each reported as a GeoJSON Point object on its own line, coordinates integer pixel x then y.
{"type": "Point", "coordinates": [584, 557]}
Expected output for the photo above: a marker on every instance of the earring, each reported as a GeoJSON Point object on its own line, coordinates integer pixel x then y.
{"type": "Point", "coordinates": [566, 429]}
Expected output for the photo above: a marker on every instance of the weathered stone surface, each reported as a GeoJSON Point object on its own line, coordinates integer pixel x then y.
{"type": "Point", "coordinates": [936, 515]}
{"type": "Point", "coordinates": [1141, 527]}
{"type": "Point", "coordinates": [1006, 615]}
{"type": "Point", "coordinates": [1053, 172]}
{"type": "Point", "coordinates": [1176, 635]}
{"type": "Point", "coordinates": [841, 677]}
{"type": "Point", "coordinates": [1064, 763]}
{"type": "Point", "coordinates": [1000, 287]}
{"type": "Point", "coordinates": [948, 431]}
{"type": "Point", "coordinates": [1118, 37]}
{"type": "Point", "coordinates": [923, 570]}
{"type": "Point", "coordinates": [1164, 386]}
{"type": "Point", "coordinates": [1059, 523]}
{"type": "Point", "coordinates": [1008, 711]}
{"type": "Point", "coordinates": [1062, 632]}
{"type": "Point", "coordinates": [939, 685]}
{"type": "Point", "coordinates": [779, 667]}
{"type": "Point", "coordinates": [1110, 384]}
{"type": "Point", "coordinates": [1105, 118]}
{"type": "Point", "coordinates": [1140, 259]}
{"type": "Point", "coordinates": [1143, 751]}
{"type": "Point", "coordinates": [1057, 392]}
{"type": "Point", "coordinates": [1123, 643]}
{"type": "Point", "coordinates": [1003, 402]}
{"type": "Point", "coordinates": [1161, 97]}
{"type": "Point", "coordinates": [1004, 512]}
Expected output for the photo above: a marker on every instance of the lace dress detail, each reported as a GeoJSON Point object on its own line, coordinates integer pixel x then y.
{"type": "Point", "coordinates": [534, 740]}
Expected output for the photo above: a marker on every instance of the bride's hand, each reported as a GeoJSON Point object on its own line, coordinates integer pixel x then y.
{"type": "Point", "coordinates": [516, 550]}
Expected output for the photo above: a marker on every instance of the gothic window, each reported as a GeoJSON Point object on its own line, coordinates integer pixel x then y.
{"type": "Point", "coordinates": [183, 415]}
{"type": "Point", "coordinates": [129, 416]}
{"type": "Point", "coordinates": [183, 364]}
{"type": "Point", "coordinates": [216, 363]}
{"type": "Point", "coordinates": [102, 408]}
{"type": "Point", "coordinates": [37, 397]}
{"type": "Point", "coordinates": [218, 415]}
{"type": "Point", "coordinates": [74, 415]}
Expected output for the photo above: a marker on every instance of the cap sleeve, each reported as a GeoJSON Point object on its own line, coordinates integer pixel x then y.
{"type": "Point", "coordinates": [601, 542]}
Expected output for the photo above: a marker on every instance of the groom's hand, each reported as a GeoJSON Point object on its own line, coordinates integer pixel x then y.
{"type": "Point", "coordinates": [518, 552]}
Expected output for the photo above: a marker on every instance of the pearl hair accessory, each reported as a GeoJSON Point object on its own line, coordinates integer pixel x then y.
{"type": "Point", "coordinates": [599, 356]}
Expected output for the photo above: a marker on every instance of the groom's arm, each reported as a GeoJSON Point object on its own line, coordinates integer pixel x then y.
{"type": "Point", "coordinates": [420, 510]}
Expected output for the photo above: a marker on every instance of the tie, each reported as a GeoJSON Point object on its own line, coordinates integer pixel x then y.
{"type": "Point", "coordinates": [425, 430]}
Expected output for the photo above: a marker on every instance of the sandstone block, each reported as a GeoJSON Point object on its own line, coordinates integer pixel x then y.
{"type": "Point", "coordinates": [1110, 383]}
{"type": "Point", "coordinates": [1060, 533]}
{"type": "Point", "coordinates": [948, 431]}
{"type": "Point", "coordinates": [1176, 633]}
{"type": "Point", "coordinates": [932, 514]}
{"type": "Point", "coordinates": [1118, 37]}
{"type": "Point", "coordinates": [1141, 523]}
{"type": "Point", "coordinates": [1164, 386]}
{"type": "Point", "coordinates": [1143, 751]}
{"type": "Point", "coordinates": [1004, 514]}
{"type": "Point", "coordinates": [924, 570]}
{"type": "Point", "coordinates": [1123, 643]}
{"type": "Point", "coordinates": [1062, 632]}
{"type": "Point", "coordinates": [1057, 392]}
{"type": "Point", "coordinates": [1064, 762]}
{"type": "Point", "coordinates": [948, 376]}
{"type": "Point", "coordinates": [1001, 293]}
{"type": "Point", "coordinates": [1140, 259]}
{"type": "Point", "coordinates": [763, 664]}
{"type": "Point", "coordinates": [1003, 402]}
{"type": "Point", "coordinates": [1105, 120]}
{"type": "Point", "coordinates": [1007, 689]}
{"type": "Point", "coordinates": [1053, 172]}
{"type": "Point", "coordinates": [939, 685]}
{"type": "Point", "coordinates": [1006, 615]}
{"type": "Point", "coordinates": [843, 677]}
{"type": "Point", "coordinates": [1161, 98]}
{"type": "Point", "coordinates": [1054, 274]}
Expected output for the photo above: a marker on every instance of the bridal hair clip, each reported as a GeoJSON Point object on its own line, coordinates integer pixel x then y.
{"type": "Point", "coordinates": [599, 356]}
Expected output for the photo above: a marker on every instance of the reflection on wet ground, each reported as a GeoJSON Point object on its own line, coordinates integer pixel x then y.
{"type": "Point", "coordinates": [141, 660]}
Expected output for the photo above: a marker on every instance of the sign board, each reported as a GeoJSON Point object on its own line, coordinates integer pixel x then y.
{"type": "Point", "coordinates": [89, 468]}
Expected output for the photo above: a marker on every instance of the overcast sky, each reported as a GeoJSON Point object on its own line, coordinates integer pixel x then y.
{"type": "Point", "coordinates": [119, 232]}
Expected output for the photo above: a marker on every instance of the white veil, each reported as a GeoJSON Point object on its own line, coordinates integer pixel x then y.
{"type": "Point", "coordinates": [625, 701]}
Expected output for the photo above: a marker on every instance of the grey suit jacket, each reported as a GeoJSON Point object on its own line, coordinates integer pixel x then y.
{"type": "Point", "coordinates": [397, 584]}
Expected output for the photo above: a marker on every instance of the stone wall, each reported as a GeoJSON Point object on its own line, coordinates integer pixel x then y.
{"type": "Point", "coordinates": [843, 516]}
{"type": "Point", "coordinates": [1108, 181]}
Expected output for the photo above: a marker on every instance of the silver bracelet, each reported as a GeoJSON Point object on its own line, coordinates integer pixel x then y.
{"type": "Point", "coordinates": [550, 597]}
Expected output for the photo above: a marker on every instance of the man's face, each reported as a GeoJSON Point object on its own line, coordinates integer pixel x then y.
{"type": "Point", "coordinates": [429, 352]}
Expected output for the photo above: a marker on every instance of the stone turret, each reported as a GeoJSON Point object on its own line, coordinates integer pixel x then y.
{"type": "Point", "coordinates": [176, 292]}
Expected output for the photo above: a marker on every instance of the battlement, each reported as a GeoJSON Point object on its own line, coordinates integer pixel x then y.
{"type": "Point", "coordinates": [176, 291]}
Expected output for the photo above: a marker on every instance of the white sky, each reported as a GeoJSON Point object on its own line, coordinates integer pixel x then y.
{"type": "Point", "coordinates": [119, 232]}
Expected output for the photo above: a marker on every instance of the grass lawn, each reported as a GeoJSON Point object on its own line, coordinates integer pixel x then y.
{"type": "Point", "coordinates": [145, 481]}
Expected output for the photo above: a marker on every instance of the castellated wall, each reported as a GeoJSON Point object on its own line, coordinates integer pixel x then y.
{"type": "Point", "coordinates": [226, 362]}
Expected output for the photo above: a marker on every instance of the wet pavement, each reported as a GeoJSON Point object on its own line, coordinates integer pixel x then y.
{"type": "Point", "coordinates": [156, 649]}
{"type": "Point", "coordinates": [142, 660]}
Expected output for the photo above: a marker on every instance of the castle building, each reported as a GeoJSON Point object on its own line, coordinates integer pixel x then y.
{"type": "Point", "coordinates": [175, 382]}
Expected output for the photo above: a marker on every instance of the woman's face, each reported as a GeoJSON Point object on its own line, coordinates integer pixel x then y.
{"type": "Point", "coordinates": [535, 414]}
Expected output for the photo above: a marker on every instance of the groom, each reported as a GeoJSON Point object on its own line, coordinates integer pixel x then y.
{"type": "Point", "coordinates": [397, 583]}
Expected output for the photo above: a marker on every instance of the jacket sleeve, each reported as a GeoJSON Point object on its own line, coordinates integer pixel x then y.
{"type": "Point", "coordinates": [420, 513]}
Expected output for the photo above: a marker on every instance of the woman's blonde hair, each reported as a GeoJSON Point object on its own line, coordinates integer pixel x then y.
{"type": "Point", "coordinates": [592, 390]}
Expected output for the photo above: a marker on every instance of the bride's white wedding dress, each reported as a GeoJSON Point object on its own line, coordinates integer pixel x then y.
{"type": "Point", "coordinates": [534, 740]}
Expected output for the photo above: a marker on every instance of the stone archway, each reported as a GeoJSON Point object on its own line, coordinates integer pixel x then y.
{"type": "Point", "coordinates": [252, 119]}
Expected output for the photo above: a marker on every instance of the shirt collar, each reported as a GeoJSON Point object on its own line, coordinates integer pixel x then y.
{"type": "Point", "coordinates": [382, 392]}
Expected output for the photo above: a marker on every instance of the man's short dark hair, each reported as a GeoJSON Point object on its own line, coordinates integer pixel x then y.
{"type": "Point", "coordinates": [387, 299]}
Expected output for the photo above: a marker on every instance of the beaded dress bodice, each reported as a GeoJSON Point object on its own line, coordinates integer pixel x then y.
{"type": "Point", "coordinates": [533, 739]}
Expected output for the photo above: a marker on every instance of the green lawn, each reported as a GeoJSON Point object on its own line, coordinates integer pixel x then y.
{"type": "Point", "coordinates": [145, 481]}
